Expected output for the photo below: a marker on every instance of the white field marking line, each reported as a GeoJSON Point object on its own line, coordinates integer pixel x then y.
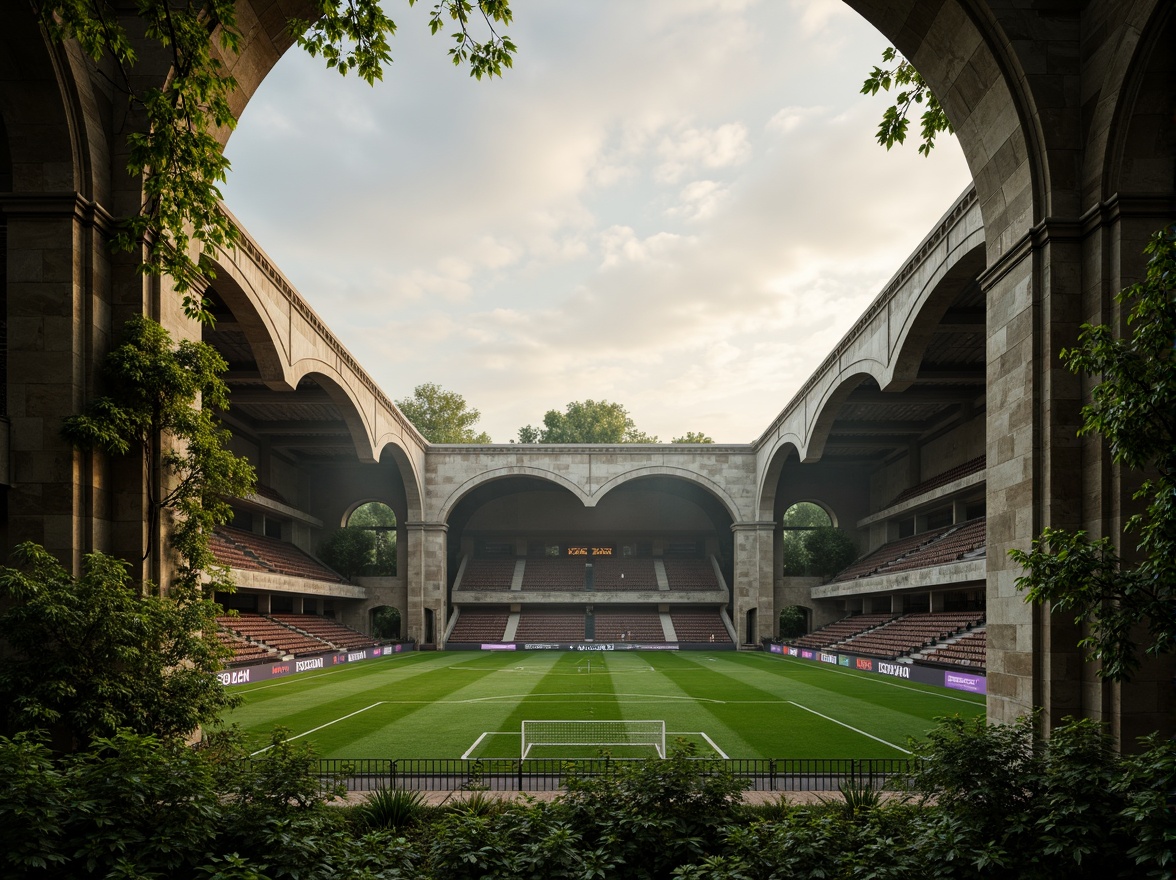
{"type": "Point", "coordinates": [477, 743]}
{"type": "Point", "coordinates": [320, 727]}
{"type": "Point", "coordinates": [882, 680]}
{"type": "Point", "coordinates": [486, 733]}
{"type": "Point", "coordinates": [849, 727]}
{"type": "Point", "coordinates": [714, 745]}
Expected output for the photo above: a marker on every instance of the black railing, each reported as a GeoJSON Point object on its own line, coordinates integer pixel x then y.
{"type": "Point", "coordinates": [550, 774]}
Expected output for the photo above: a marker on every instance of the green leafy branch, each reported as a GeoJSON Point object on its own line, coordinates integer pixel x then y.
{"type": "Point", "coordinates": [1133, 408]}
{"type": "Point", "coordinates": [177, 152]}
{"type": "Point", "coordinates": [911, 92]}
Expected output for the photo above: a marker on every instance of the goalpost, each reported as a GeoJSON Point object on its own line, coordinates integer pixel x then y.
{"type": "Point", "coordinates": [594, 734]}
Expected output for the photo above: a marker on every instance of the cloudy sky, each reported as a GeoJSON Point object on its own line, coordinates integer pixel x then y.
{"type": "Point", "coordinates": [673, 204]}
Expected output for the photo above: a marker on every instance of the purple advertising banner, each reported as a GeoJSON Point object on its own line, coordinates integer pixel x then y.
{"type": "Point", "coordinates": [962, 681]}
{"type": "Point", "coordinates": [497, 647]}
{"type": "Point", "coordinates": [776, 649]}
{"type": "Point", "coordinates": [587, 646]}
{"type": "Point", "coordinates": [281, 668]}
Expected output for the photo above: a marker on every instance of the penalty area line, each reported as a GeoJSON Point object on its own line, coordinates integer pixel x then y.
{"type": "Point", "coordinates": [848, 726]}
{"type": "Point", "coordinates": [320, 727]}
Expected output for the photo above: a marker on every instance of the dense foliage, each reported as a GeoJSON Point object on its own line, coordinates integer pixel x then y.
{"type": "Point", "coordinates": [587, 421]}
{"type": "Point", "coordinates": [87, 657]}
{"type": "Point", "coordinates": [1133, 408]}
{"type": "Point", "coordinates": [161, 404]}
{"type": "Point", "coordinates": [442, 416]}
{"type": "Point", "coordinates": [984, 802]}
{"type": "Point", "coordinates": [175, 149]}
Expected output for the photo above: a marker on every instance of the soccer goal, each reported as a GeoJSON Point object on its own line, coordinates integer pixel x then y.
{"type": "Point", "coordinates": [572, 738]}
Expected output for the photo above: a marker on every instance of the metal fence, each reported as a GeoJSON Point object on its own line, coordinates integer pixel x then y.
{"type": "Point", "coordinates": [550, 774]}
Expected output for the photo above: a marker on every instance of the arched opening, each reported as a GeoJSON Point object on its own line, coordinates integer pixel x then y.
{"type": "Point", "coordinates": [379, 521]}
{"type": "Point", "coordinates": [799, 522]}
{"type": "Point", "coordinates": [384, 622]}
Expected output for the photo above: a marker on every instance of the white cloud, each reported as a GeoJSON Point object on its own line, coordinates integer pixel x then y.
{"type": "Point", "coordinates": [676, 204]}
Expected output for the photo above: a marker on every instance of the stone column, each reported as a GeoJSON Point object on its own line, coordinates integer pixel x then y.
{"type": "Point", "coordinates": [753, 585]}
{"type": "Point", "coordinates": [426, 578]}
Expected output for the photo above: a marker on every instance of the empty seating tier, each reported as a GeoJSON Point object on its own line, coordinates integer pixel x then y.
{"type": "Point", "coordinates": [949, 476]}
{"type": "Point", "coordinates": [840, 630]}
{"type": "Point", "coordinates": [970, 649]}
{"type": "Point", "coordinates": [628, 625]}
{"type": "Point", "coordinates": [244, 549]}
{"type": "Point", "coordinates": [243, 651]}
{"type": "Point", "coordinates": [940, 546]}
{"type": "Point", "coordinates": [616, 573]}
{"type": "Point", "coordinates": [691, 574]}
{"type": "Point", "coordinates": [480, 625]}
{"type": "Point", "coordinates": [699, 625]}
{"type": "Point", "coordinates": [488, 574]}
{"type": "Point", "coordinates": [342, 637]}
{"type": "Point", "coordinates": [550, 625]}
{"type": "Point", "coordinates": [269, 632]}
{"type": "Point", "coordinates": [554, 573]}
{"type": "Point", "coordinates": [908, 634]}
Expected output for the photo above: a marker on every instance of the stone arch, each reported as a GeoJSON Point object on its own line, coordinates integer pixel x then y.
{"type": "Point", "coordinates": [337, 388]}
{"type": "Point", "coordinates": [918, 325]}
{"type": "Point", "coordinates": [784, 447]}
{"type": "Point", "coordinates": [1146, 42]}
{"type": "Point", "coordinates": [490, 476]}
{"type": "Point", "coordinates": [409, 475]}
{"type": "Point", "coordinates": [235, 290]}
{"type": "Point", "coordinates": [970, 63]}
{"type": "Point", "coordinates": [827, 406]}
{"type": "Point", "coordinates": [816, 502]}
{"type": "Point", "coordinates": [679, 473]}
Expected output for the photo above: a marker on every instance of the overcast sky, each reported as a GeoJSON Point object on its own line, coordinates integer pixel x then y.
{"type": "Point", "coordinates": [673, 204]}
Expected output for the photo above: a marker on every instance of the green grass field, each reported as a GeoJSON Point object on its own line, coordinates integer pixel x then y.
{"type": "Point", "coordinates": [738, 705]}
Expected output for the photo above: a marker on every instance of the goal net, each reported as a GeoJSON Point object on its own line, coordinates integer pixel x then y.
{"type": "Point", "coordinates": [574, 738]}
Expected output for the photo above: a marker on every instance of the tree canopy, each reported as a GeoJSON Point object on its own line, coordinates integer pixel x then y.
{"type": "Point", "coordinates": [176, 151]}
{"type": "Point", "coordinates": [693, 437]}
{"type": "Point", "coordinates": [1133, 408]}
{"type": "Point", "coordinates": [586, 421]}
{"type": "Point", "coordinates": [442, 416]}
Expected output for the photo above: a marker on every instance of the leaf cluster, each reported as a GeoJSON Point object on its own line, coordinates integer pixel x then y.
{"type": "Point", "coordinates": [161, 404]}
{"type": "Point", "coordinates": [822, 551]}
{"type": "Point", "coordinates": [693, 437]}
{"type": "Point", "coordinates": [176, 150]}
{"type": "Point", "coordinates": [911, 91]}
{"type": "Point", "coordinates": [86, 657]}
{"type": "Point", "coordinates": [1133, 408]}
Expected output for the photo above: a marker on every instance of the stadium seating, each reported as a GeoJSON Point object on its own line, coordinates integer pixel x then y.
{"type": "Point", "coordinates": [550, 625]}
{"type": "Point", "coordinates": [840, 630]}
{"type": "Point", "coordinates": [342, 637]}
{"type": "Point", "coordinates": [616, 573]}
{"type": "Point", "coordinates": [970, 650]}
{"type": "Point", "coordinates": [699, 625]}
{"type": "Point", "coordinates": [907, 634]}
{"type": "Point", "coordinates": [935, 547]}
{"type": "Point", "coordinates": [273, 634]}
{"type": "Point", "coordinates": [488, 574]}
{"type": "Point", "coordinates": [959, 472]}
{"type": "Point", "coordinates": [238, 548]}
{"type": "Point", "coordinates": [628, 625]}
{"type": "Point", "coordinates": [690, 574]}
{"type": "Point", "coordinates": [554, 573]}
{"type": "Point", "coordinates": [480, 625]}
{"type": "Point", "coordinates": [243, 651]}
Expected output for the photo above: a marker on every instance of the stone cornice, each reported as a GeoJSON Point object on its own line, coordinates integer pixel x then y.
{"type": "Point", "coordinates": [934, 238]}
{"type": "Point", "coordinates": [593, 449]}
{"type": "Point", "coordinates": [261, 259]}
{"type": "Point", "coordinates": [57, 206]}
